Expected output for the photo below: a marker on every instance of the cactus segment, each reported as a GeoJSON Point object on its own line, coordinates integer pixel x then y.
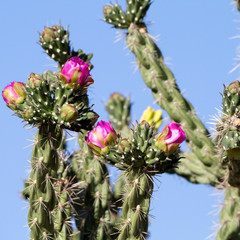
{"type": "Point", "coordinates": [228, 141]}
{"type": "Point", "coordinates": [49, 211]}
{"type": "Point", "coordinates": [93, 212]}
{"type": "Point", "coordinates": [55, 41]}
{"type": "Point", "coordinates": [228, 132]}
{"type": "Point", "coordinates": [135, 12]}
{"type": "Point", "coordinates": [229, 215]}
{"type": "Point", "coordinates": [119, 108]}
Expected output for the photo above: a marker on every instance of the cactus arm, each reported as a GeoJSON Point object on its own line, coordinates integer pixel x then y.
{"type": "Point", "coordinates": [228, 140]}
{"type": "Point", "coordinates": [119, 112]}
{"type": "Point", "coordinates": [93, 214]}
{"type": "Point", "coordinates": [42, 181]}
{"type": "Point", "coordinates": [161, 81]}
{"type": "Point", "coordinates": [55, 41]}
{"type": "Point", "coordinates": [194, 171]}
{"type": "Point", "coordinates": [229, 215]}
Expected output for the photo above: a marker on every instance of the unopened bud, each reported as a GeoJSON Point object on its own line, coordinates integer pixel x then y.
{"type": "Point", "coordinates": [69, 113]}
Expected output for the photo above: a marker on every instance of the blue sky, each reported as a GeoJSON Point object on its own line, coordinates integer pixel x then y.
{"type": "Point", "coordinates": [194, 37]}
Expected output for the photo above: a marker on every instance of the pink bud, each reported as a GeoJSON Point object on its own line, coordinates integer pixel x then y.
{"type": "Point", "coordinates": [14, 93]}
{"type": "Point", "coordinates": [75, 73]}
{"type": "Point", "coordinates": [170, 138]}
{"type": "Point", "coordinates": [101, 137]}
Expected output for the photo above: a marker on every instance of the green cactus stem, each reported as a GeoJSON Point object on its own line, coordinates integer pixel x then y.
{"type": "Point", "coordinates": [228, 140]}
{"type": "Point", "coordinates": [55, 41]}
{"type": "Point", "coordinates": [93, 213]}
{"type": "Point", "coordinates": [42, 182]}
{"type": "Point", "coordinates": [228, 132]}
{"type": "Point", "coordinates": [194, 170]}
{"type": "Point", "coordinates": [119, 112]}
{"type": "Point", "coordinates": [161, 81]}
{"type": "Point", "coordinates": [230, 215]}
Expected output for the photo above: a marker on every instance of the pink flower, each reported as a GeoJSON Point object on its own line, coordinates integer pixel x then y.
{"type": "Point", "coordinates": [170, 138]}
{"type": "Point", "coordinates": [14, 93]}
{"type": "Point", "coordinates": [101, 137]}
{"type": "Point", "coordinates": [75, 73]}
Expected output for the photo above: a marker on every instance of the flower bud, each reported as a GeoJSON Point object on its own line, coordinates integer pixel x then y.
{"type": "Point", "coordinates": [234, 87]}
{"type": "Point", "coordinates": [27, 114]}
{"type": "Point", "coordinates": [69, 113]}
{"type": "Point", "coordinates": [152, 117]}
{"type": "Point", "coordinates": [75, 73]}
{"type": "Point", "coordinates": [107, 10]}
{"type": "Point", "coordinates": [116, 97]}
{"type": "Point", "coordinates": [14, 94]}
{"type": "Point", "coordinates": [124, 145]}
{"type": "Point", "coordinates": [101, 138]}
{"type": "Point", "coordinates": [34, 80]}
{"type": "Point", "coordinates": [49, 33]}
{"type": "Point", "coordinates": [170, 138]}
{"type": "Point", "coordinates": [93, 117]}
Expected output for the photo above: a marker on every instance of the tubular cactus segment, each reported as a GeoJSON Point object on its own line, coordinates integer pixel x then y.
{"type": "Point", "coordinates": [55, 41]}
{"type": "Point", "coordinates": [228, 140]}
{"type": "Point", "coordinates": [136, 11]}
{"type": "Point", "coordinates": [93, 215]}
{"type": "Point", "coordinates": [119, 108]}
{"type": "Point", "coordinates": [229, 215]}
{"type": "Point", "coordinates": [45, 164]}
{"type": "Point", "coordinates": [228, 132]}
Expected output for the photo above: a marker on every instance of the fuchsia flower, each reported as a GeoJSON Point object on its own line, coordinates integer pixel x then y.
{"type": "Point", "coordinates": [101, 137]}
{"type": "Point", "coordinates": [75, 73]}
{"type": "Point", "coordinates": [170, 138]}
{"type": "Point", "coordinates": [14, 93]}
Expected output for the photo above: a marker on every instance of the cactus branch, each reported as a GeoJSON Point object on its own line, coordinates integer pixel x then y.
{"type": "Point", "coordinates": [161, 81]}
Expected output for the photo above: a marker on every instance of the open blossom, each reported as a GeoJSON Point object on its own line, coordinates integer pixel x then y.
{"type": "Point", "coordinates": [170, 138]}
{"type": "Point", "coordinates": [14, 93]}
{"type": "Point", "coordinates": [101, 137]}
{"type": "Point", "coordinates": [75, 73]}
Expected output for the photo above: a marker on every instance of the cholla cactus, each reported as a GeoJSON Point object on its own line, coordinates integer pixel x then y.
{"type": "Point", "coordinates": [63, 187]}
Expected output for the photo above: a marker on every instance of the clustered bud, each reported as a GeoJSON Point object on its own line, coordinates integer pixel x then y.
{"type": "Point", "coordinates": [101, 138]}
{"type": "Point", "coordinates": [50, 33]}
{"type": "Point", "coordinates": [14, 94]}
{"type": "Point", "coordinates": [69, 113]}
{"type": "Point", "coordinates": [75, 73]}
{"type": "Point", "coordinates": [34, 80]}
{"type": "Point", "coordinates": [169, 140]}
